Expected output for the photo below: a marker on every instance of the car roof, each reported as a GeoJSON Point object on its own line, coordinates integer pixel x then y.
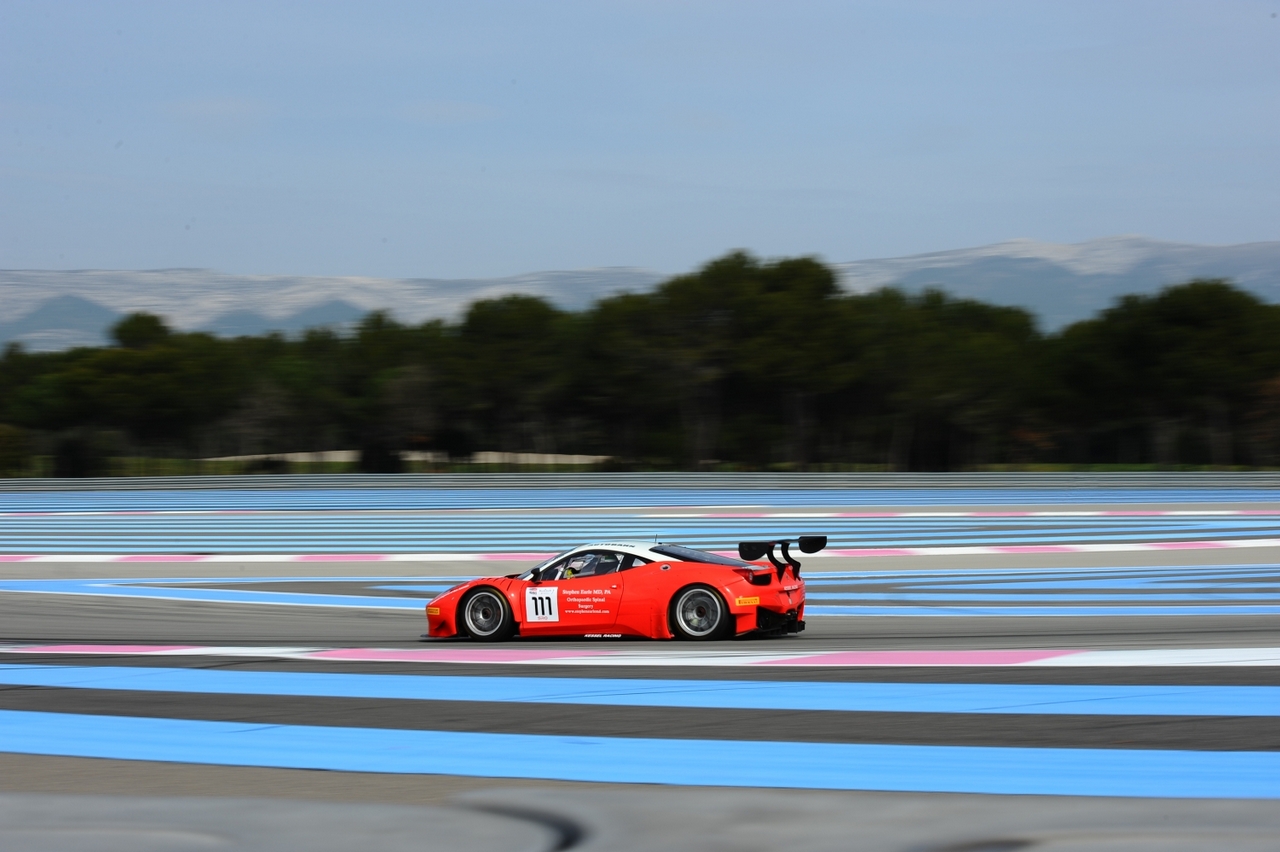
{"type": "Point", "coordinates": [630, 546]}
{"type": "Point", "coordinates": [639, 548]}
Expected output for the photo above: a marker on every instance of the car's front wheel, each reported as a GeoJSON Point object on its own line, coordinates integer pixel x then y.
{"type": "Point", "coordinates": [698, 613]}
{"type": "Point", "coordinates": [487, 617]}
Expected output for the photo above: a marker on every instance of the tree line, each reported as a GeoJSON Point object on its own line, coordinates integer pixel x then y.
{"type": "Point", "coordinates": [742, 364]}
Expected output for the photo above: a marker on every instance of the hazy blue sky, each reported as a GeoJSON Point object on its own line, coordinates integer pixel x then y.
{"type": "Point", "coordinates": [492, 138]}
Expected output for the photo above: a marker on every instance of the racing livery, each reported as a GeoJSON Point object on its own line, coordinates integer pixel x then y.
{"type": "Point", "coordinates": [662, 591]}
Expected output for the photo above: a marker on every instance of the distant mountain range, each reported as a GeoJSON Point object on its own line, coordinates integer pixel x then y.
{"type": "Point", "coordinates": [1060, 283]}
{"type": "Point", "coordinates": [50, 310]}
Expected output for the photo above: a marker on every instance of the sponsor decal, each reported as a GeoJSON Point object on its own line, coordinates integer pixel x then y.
{"type": "Point", "coordinates": [588, 601]}
{"type": "Point", "coordinates": [541, 603]}
{"type": "Point", "coordinates": [433, 610]}
{"type": "Point", "coordinates": [602, 636]}
{"type": "Point", "coordinates": [748, 601]}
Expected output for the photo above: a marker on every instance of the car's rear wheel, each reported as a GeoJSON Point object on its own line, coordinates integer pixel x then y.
{"type": "Point", "coordinates": [487, 617]}
{"type": "Point", "coordinates": [699, 614]}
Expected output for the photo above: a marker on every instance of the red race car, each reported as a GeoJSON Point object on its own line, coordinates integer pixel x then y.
{"type": "Point", "coordinates": [662, 591]}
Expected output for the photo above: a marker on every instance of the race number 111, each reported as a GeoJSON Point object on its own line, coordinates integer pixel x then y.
{"type": "Point", "coordinates": [542, 603]}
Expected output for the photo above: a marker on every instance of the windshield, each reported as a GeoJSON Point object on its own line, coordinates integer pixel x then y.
{"type": "Point", "coordinates": [543, 564]}
{"type": "Point", "coordinates": [688, 554]}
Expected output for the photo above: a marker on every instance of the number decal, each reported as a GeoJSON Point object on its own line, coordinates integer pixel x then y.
{"type": "Point", "coordinates": [542, 603]}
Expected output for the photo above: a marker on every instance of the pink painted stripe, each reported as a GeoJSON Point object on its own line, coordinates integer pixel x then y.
{"type": "Point", "coordinates": [920, 658]}
{"type": "Point", "coordinates": [446, 655]}
{"type": "Point", "coordinates": [14, 557]}
{"type": "Point", "coordinates": [104, 649]}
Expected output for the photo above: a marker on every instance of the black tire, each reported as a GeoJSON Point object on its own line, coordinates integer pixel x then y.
{"type": "Point", "coordinates": [699, 614]}
{"type": "Point", "coordinates": [486, 617]}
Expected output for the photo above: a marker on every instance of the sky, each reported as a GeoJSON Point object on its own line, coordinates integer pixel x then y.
{"type": "Point", "coordinates": [482, 139]}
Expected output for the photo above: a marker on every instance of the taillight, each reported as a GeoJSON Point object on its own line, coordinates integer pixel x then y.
{"type": "Point", "coordinates": [759, 577]}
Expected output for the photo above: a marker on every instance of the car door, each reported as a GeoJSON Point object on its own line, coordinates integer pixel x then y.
{"type": "Point", "coordinates": [578, 594]}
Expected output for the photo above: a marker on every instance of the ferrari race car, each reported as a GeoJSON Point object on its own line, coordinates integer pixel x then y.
{"type": "Point", "coordinates": [661, 591]}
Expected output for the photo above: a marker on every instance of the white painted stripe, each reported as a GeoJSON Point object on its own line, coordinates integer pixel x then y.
{"type": "Point", "coordinates": [1081, 514]}
{"type": "Point", "coordinates": [667, 660]}
{"type": "Point", "coordinates": [1172, 657]}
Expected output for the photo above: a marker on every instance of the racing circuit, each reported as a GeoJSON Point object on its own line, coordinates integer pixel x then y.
{"type": "Point", "coordinates": [1108, 655]}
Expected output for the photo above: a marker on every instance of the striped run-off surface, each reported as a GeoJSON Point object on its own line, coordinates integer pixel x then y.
{"type": "Point", "coordinates": [1099, 651]}
{"type": "Point", "coordinates": [480, 532]}
{"type": "Point", "coordinates": [299, 497]}
{"type": "Point", "coordinates": [1230, 702]}
{"type": "Point", "coordinates": [1116, 591]}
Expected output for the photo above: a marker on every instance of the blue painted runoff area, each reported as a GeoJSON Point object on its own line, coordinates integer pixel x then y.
{"type": "Point", "coordinates": [330, 499]}
{"type": "Point", "coordinates": [435, 588]}
{"type": "Point", "coordinates": [499, 531]}
{"type": "Point", "coordinates": [722, 763]}
{"type": "Point", "coordinates": [980, 611]}
{"type": "Point", "coordinates": [137, 589]}
{"type": "Point", "coordinates": [1001, 597]}
{"type": "Point", "coordinates": [1081, 573]}
{"type": "Point", "coordinates": [1036, 699]}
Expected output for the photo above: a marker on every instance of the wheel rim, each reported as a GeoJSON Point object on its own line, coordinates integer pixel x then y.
{"type": "Point", "coordinates": [699, 612]}
{"type": "Point", "coordinates": [484, 614]}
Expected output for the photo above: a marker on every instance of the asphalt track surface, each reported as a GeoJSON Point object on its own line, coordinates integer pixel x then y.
{"type": "Point", "coordinates": [935, 700]}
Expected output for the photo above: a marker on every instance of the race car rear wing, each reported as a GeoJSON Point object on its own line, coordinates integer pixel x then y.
{"type": "Point", "coordinates": [753, 550]}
